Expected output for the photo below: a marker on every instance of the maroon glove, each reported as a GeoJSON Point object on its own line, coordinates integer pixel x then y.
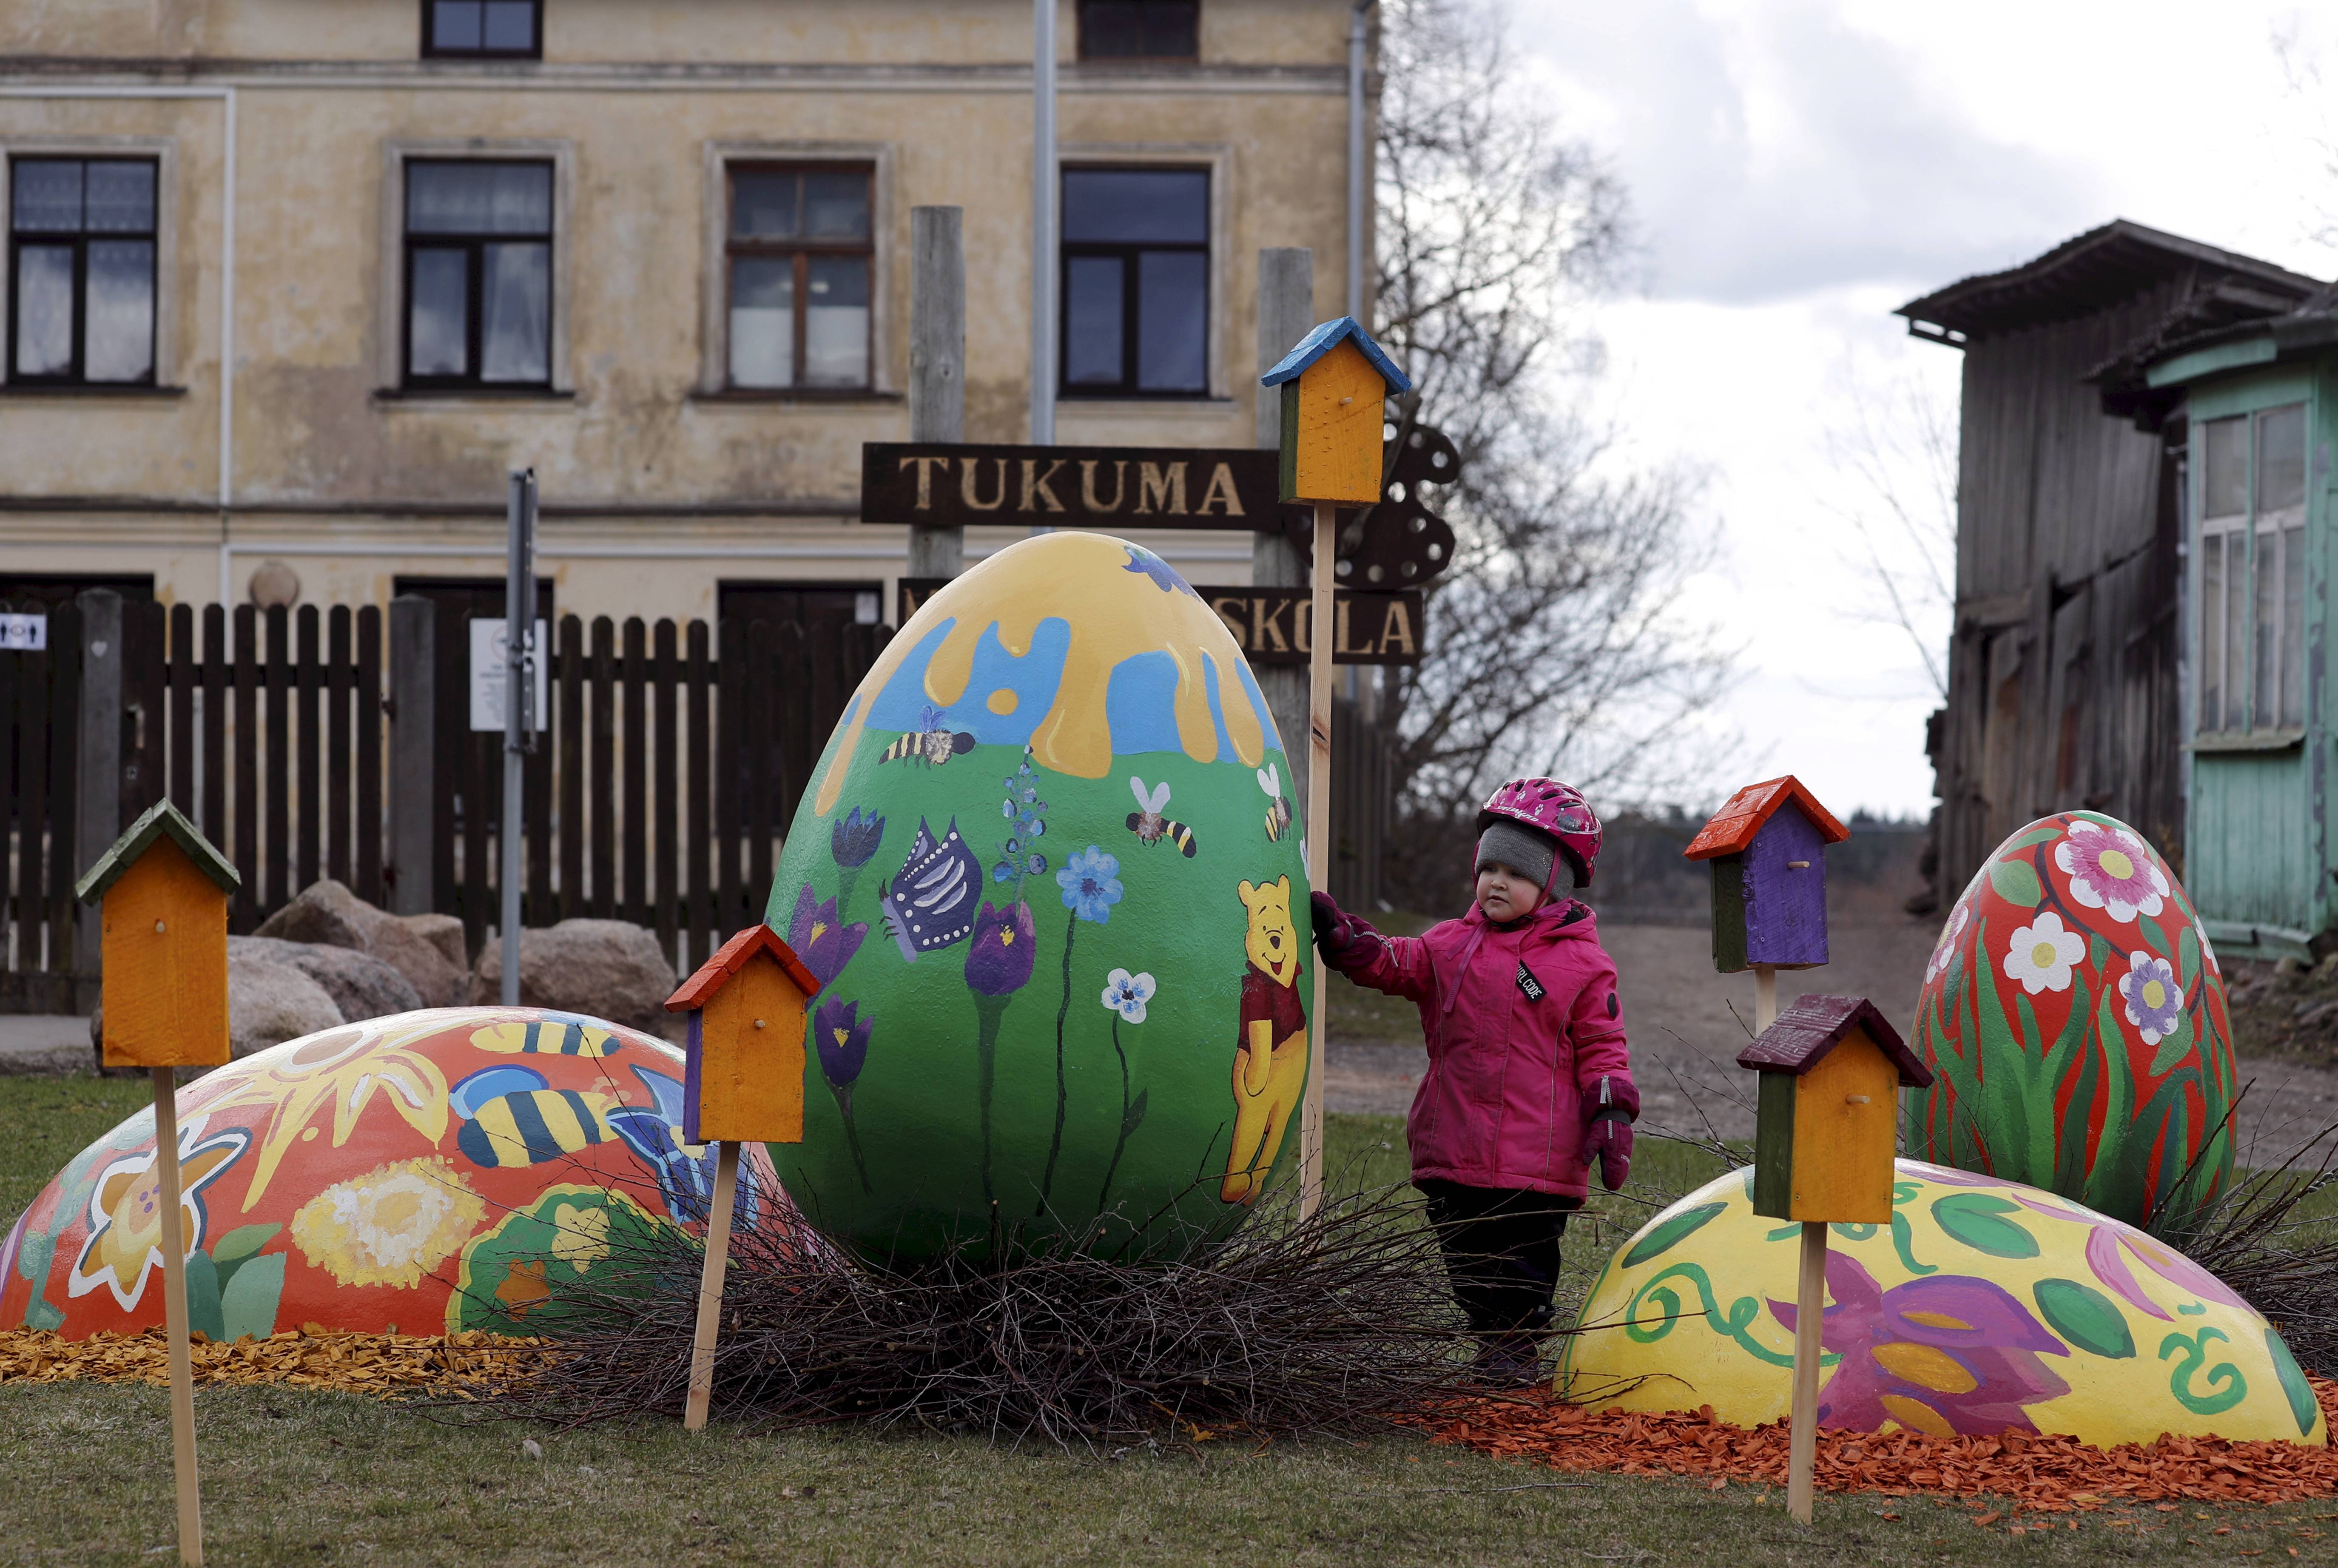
{"type": "Point", "coordinates": [1615, 1102]}
{"type": "Point", "coordinates": [1345, 942]}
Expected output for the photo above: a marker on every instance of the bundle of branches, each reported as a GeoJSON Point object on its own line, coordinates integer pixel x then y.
{"type": "Point", "coordinates": [1289, 1324]}
{"type": "Point", "coordinates": [2274, 1238]}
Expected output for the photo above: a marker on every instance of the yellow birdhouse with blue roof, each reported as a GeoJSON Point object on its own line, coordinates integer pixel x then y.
{"type": "Point", "coordinates": [1335, 383]}
{"type": "Point", "coordinates": [161, 891]}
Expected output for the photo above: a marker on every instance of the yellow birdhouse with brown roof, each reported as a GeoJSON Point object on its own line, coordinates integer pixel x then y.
{"type": "Point", "coordinates": [1335, 385]}
{"type": "Point", "coordinates": [161, 891]}
{"type": "Point", "coordinates": [745, 1076]}
{"type": "Point", "coordinates": [1827, 1123]}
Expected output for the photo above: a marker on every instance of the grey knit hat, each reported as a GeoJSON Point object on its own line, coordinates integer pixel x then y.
{"type": "Point", "coordinates": [1521, 849]}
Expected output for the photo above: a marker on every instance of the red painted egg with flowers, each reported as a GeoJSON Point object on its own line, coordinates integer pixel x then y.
{"type": "Point", "coordinates": [446, 1170]}
{"type": "Point", "coordinates": [2074, 1017]}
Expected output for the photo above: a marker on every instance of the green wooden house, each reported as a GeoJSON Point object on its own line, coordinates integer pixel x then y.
{"type": "Point", "coordinates": [2258, 405]}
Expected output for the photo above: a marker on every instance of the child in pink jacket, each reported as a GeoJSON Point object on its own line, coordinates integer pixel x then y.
{"type": "Point", "coordinates": [1530, 1079]}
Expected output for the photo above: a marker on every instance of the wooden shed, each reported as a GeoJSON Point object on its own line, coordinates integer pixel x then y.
{"type": "Point", "coordinates": [2065, 677]}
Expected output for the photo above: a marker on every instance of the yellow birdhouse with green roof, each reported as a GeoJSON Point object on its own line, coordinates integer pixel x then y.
{"type": "Point", "coordinates": [161, 891]}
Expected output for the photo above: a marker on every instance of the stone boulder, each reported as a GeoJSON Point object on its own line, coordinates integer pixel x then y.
{"type": "Point", "coordinates": [270, 1002]}
{"type": "Point", "coordinates": [443, 931]}
{"type": "Point", "coordinates": [327, 913]}
{"type": "Point", "coordinates": [607, 969]}
{"type": "Point", "coordinates": [361, 985]}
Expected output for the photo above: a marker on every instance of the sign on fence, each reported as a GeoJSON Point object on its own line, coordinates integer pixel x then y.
{"type": "Point", "coordinates": [23, 633]}
{"type": "Point", "coordinates": [1275, 625]}
{"type": "Point", "coordinates": [488, 674]}
{"type": "Point", "coordinates": [950, 485]}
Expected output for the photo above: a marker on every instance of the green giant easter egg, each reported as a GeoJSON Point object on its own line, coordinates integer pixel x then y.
{"type": "Point", "coordinates": [2073, 1015]}
{"type": "Point", "coordinates": [1048, 874]}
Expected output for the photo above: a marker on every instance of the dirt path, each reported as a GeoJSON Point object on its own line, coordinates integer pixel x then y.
{"type": "Point", "coordinates": [1685, 1038]}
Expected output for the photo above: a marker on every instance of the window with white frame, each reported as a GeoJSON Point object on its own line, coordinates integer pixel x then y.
{"type": "Point", "coordinates": [2252, 572]}
{"type": "Point", "coordinates": [82, 236]}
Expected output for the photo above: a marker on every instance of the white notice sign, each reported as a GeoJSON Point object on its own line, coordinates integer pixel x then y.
{"type": "Point", "coordinates": [23, 633]}
{"type": "Point", "coordinates": [489, 672]}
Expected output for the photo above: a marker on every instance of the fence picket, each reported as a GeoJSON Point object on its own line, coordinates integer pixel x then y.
{"type": "Point", "coordinates": [700, 743]}
{"type": "Point", "coordinates": [369, 829]}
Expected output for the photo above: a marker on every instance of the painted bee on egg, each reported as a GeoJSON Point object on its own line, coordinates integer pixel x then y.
{"type": "Point", "coordinates": [1278, 810]}
{"type": "Point", "coordinates": [929, 743]}
{"type": "Point", "coordinates": [1147, 823]}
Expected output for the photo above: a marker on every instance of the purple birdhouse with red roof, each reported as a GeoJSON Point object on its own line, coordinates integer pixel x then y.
{"type": "Point", "coordinates": [1767, 846]}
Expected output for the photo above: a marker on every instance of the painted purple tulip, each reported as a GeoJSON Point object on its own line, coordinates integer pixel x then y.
{"type": "Point", "coordinates": [840, 1036]}
{"type": "Point", "coordinates": [822, 939]}
{"type": "Point", "coordinates": [998, 961]}
{"type": "Point", "coordinates": [1950, 1354]}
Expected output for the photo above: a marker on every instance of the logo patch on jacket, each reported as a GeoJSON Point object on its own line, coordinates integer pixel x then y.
{"type": "Point", "coordinates": [1529, 983]}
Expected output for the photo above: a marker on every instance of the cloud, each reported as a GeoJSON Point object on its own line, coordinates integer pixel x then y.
{"type": "Point", "coordinates": [1781, 150]}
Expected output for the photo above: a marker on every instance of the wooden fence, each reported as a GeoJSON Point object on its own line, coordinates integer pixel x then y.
{"type": "Point", "coordinates": [660, 791]}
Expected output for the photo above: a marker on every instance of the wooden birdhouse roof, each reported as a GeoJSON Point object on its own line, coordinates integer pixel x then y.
{"type": "Point", "coordinates": [1742, 817]}
{"type": "Point", "coordinates": [731, 957]}
{"type": "Point", "coordinates": [1805, 1031]}
{"type": "Point", "coordinates": [1322, 340]}
{"type": "Point", "coordinates": [162, 820]}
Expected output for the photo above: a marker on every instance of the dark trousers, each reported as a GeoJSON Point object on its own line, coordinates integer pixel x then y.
{"type": "Point", "coordinates": [1501, 1251]}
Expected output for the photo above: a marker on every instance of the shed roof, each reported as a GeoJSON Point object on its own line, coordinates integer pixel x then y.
{"type": "Point", "coordinates": [1804, 1033]}
{"type": "Point", "coordinates": [161, 819]}
{"type": "Point", "coordinates": [1741, 817]}
{"type": "Point", "coordinates": [731, 957]}
{"type": "Point", "coordinates": [2095, 270]}
{"type": "Point", "coordinates": [1321, 341]}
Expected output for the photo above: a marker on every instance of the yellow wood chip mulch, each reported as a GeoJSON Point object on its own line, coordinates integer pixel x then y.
{"type": "Point", "coordinates": [386, 1364]}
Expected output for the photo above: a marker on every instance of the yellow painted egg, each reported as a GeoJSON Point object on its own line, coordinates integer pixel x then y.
{"type": "Point", "coordinates": [1984, 1307]}
{"type": "Point", "coordinates": [452, 1169]}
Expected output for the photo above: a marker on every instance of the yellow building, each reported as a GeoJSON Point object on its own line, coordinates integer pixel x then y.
{"type": "Point", "coordinates": [657, 249]}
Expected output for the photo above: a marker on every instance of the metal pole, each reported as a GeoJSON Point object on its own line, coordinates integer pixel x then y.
{"type": "Point", "coordinates": [1042, 225]}
{"type": "Point", "coordinates": [519, 705]}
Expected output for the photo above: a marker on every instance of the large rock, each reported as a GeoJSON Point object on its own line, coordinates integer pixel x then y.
{"type": "Point", "coordinates": [361, 985]}
{"type": "Point", "coordinates": [604, 968]}
{"type": "Point", "coordinates": [270, 1002]}
{"type": "Point", "coordinates": [328, 912]}
{"type": "Point", "coordinates": [443, 931]}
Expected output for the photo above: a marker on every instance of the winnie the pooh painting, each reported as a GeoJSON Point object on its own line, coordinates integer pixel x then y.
{"type": "Point", "coordinates": [1271, 1046]}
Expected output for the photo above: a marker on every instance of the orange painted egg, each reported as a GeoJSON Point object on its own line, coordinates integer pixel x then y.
{"type": "Point", "coordinates": [445, 1169]}
{"type": "Point", "coordinates": [2074, 1017]}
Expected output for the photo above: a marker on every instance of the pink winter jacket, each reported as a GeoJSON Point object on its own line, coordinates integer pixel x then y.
{"type": "Point", "coordinates": [1503, 1103]}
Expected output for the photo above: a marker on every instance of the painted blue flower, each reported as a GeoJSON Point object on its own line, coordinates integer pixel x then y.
{"type": "Point", "coordinates": [1037, 865]}
{"type": "Point", "coordinates": [2155, 1002]}
{"type": "Point", "coordinates": [1091, 884]}
{"type": "Point", "coordinates": [1165, 576]}
{"type": "Point", "coordinates": [1127, 993]}
{"type": "Point", "coordinates": [855, 837]}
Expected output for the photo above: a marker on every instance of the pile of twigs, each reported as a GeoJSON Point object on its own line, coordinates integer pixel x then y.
{"type": "Point", "coordinates": [1289, 1324]}
{"type": "Point", "coordinates": [2272, 1236]}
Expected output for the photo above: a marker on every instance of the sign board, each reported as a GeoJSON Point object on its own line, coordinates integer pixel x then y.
{"type": "Point", "coordinates": [23, 633]}
{"type": "Point", "coordinates": [488, 673]}
{"type": "Point", "coordinates": [1274, 625]}
{"type": "Point", "coordinates": [950, 485]}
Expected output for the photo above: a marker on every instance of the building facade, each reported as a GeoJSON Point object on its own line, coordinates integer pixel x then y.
{"type": "Point", "coordinates": [290, 286]}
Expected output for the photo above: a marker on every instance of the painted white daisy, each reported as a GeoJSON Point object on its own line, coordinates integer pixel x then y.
{"type": "Point", "coordinates": [2040, 954]}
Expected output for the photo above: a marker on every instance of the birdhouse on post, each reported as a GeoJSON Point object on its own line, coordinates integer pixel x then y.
{"type": "Point", "coordinates": [745, 1076]}
{"type": "Point", "coordinates": [1827, 1122]}
{"type": "Point", "coordinates": [162, 891]}
{"type": "Point", "coordinates": [1336, 382]}
{"type": "Point", "coordinates": [743, 1082]}
{"type": "Point", "coordinates": [1767, 846]}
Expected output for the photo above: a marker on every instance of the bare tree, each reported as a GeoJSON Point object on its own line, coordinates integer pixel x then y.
{"type": "Point", "coordinates": [1898, 450]}
{"type": "Point", "coordinates": [1555, 643]}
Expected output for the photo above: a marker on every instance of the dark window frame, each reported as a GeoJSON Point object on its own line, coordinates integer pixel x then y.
{"type": "Point", "coordinates": [1088, 57]}
{"type": "Point", "coordinates": [802, 248]}
{"type": "Point", "coordinates": [79, 239]}
{"type": "Point", "coordinates": [475, 315]}
{"type": "Point", "coordinates": [433, 50]}
{"type": "Point", "coordinates": [1129, 254]}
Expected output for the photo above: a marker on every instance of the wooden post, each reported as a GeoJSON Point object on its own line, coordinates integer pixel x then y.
{"type": "Point", "coordinates": [1286, 304]}
{"type": "Point", "coordinates": [1766, 996]}
{"type": "Point", "coordinates": [710, 1285]}
{"type": "Point", "coordinates": [174, 1317]}
{"type": "Point", "coordinates": [1810, 1299]}
{"type": "Point", "coordinates": [1320, 633]}
{"type": "Point", "coordinates": [937, 364]}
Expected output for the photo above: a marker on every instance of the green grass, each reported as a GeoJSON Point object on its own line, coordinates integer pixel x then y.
{"type": "Point", "coordinates": [292, 1477]}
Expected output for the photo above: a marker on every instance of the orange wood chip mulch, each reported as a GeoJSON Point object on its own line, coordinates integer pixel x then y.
{"type": "Point", "coordinates": [2040, 1473]}
{"type": "Point", "coordinates": [385, 1365]}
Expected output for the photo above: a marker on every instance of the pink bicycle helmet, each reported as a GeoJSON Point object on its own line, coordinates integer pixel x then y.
{"type": "Point", "coordinates": [1554, 808]}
